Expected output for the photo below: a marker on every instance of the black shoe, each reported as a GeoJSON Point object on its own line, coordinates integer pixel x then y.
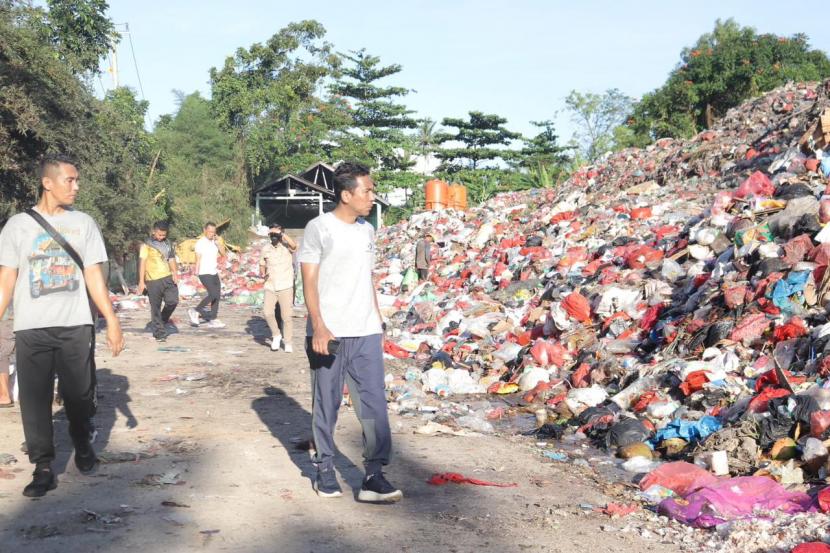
{"type": "Point", "coordinates": [326, 485]}
{"type": "Point", "coordinates": [376, 489]}
{"type": "Point", "coordinates": [85, 458]}
{"type": "Point", "coordinates": [160, 337]}
{"type": "Point", "coordinates": [43, 480]}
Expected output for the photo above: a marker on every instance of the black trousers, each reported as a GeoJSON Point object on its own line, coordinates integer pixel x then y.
{"type": "Point", "coordinates": [214, 290]}
{"type": "Point", "coordinates": [42, 353]}
{"type": "Point", "coordinates": [162, 290]}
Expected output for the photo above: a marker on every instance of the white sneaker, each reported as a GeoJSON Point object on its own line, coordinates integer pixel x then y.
{"type": "Point", "coordinates": [288, 348]}
{"type": "Point", "coordinates": [216, 323]}
{"type": "Point", "coordinates": [275, 343]}
{"type": "Point", "coordinates": [194, 316]}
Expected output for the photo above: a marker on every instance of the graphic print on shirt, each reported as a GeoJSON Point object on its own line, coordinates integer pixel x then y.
{"type": "Point", "coordinates": [50, 268]}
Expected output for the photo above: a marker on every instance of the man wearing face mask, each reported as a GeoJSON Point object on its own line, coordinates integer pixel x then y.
{"type": "Point", "coordinates": [276, 265]}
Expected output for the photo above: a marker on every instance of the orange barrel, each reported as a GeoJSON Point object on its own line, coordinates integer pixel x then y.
{"type": "Point", "coordinates": [458, 196]}
{"type": "Point", "coordinates": [437, 194]}
{"type": "Point", "coordinates": [454, 196]}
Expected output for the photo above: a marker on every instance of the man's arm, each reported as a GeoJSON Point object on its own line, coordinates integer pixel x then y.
{"type": "Point", "coordinates": [322, 335]}
{"type": "Point", "coordinates": [97, 287]}
{"type": "Point", "coordinates": [289, 243]}
{"type": "Point", "coordinates": [174, 269]}
{"type": "Point", "coordinates": [8, 278]}
{"type": "Point", "coordinates": [142, 266]}
{"type": "Point", "coordinates": [198, 262]}
{"type": "Point", "coordinates": [223, 248]}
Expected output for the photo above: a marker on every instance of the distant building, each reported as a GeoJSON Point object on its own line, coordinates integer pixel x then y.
{"type": "Point", "coordinates": [293, 200]}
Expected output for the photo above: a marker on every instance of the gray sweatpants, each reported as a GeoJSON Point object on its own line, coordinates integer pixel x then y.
{"type": "Point", "coordinates": [358, 364]}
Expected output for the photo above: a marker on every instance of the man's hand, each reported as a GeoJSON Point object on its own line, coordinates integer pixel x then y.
{"type": "Point", "coordinates": [175, 277]}
{"type": "Point", "coordinates": [141, 288]}
{"type": "Point", "coordinates": [320, 340]}
{"type": "Point", "coordinates": [115, 338]}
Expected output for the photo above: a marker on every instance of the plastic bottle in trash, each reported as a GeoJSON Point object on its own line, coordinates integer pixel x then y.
{"type": "Point", "coordinates": [634, 390]}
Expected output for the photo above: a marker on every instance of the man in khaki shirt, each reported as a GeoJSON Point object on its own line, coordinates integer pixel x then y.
{"type": "Point", "coordinates": [276, 264]}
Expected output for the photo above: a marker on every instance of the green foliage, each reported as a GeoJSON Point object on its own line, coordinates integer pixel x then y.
{"type": "Point", "coordinates": [80, 31]}
{"type": "Point", "coordinates": [426, 137]}
{"type": "Point", "coordinates": [723, 68]}
{"type": "Point", "coordinates": [266, 96]}
{"type": "Point", "coordinates": [596, 117]}
{"type": "Point", "coordinates": [480, 135]}
{"type": "Point", "coordinates": [200, 173]}
{"type": "Point", "coordinates": [377, 135]}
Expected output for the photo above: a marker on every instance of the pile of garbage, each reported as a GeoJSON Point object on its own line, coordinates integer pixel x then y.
{"type": "Point", "coordinates": [667, 303]}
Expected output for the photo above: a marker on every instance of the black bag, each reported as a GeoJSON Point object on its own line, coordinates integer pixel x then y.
{"type": "Point", "coordinates": [58, 237]}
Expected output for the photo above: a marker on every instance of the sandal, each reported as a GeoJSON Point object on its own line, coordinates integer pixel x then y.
{"type": "Point", "coordinates": [6, 405]}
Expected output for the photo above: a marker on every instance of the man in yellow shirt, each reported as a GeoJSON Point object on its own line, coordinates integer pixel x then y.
{"type": "Point", "coordinates": [158, 274]}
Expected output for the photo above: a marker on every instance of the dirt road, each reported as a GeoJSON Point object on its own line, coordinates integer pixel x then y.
{"type": "Point", "coordinates": [201, 437]}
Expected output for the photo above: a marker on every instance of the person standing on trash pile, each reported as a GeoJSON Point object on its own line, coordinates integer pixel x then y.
{"type": "Point", "coordinates": [209, 248]}
{"type": "Point", "coordinates": [276, 265]}
{"type": "Point", "coordinates": [158, 275]}
{"type": "Point", "coordinates": [423, 256]}
{"type": "Point", "coordinates": [345, 333]}
{"type": "Point", "coordinates": [50, 264]}
{"type": "Point", "coordinates": [6, 349]}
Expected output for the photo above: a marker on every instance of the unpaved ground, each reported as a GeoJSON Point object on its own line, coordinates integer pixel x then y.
{"type": "Point", "coordinates": [211, 463]}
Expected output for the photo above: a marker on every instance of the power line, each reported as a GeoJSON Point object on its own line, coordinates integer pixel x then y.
{"type": "Point", "coordinates": [135, 61]}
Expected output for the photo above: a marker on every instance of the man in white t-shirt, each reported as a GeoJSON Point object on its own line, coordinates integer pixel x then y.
{"type": "Point", "coordinates": [345, 335]}
{"type": "Point", "coordinates": [208, 250]}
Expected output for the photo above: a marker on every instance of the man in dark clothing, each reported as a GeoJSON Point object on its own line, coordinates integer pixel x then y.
{"type": "Point", "coordinates": [423, 256]}
{"type": "Point", "coordinates": [158, 274]}
{"type": "Point", "coordinates": [53, 317]}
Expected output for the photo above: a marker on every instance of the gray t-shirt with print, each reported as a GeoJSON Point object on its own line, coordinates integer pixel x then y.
{"type": "Point", "coordinates": [50, 289]}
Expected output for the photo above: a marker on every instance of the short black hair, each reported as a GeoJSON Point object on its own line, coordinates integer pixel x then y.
{"type": "Point", "coordinates": [53, 161]}
{"type": "Point", "coordinates": [346, 175]}
{"type": "Point", "coordinates": [275, 225]}
{"type": "Point", "coordinates": [209, 224]}
{"type": "Point", "coordinates": [161, 225]}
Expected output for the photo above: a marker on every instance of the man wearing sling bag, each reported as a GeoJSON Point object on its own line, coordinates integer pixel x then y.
{"type": "Point", "coordinates": [52, 319]}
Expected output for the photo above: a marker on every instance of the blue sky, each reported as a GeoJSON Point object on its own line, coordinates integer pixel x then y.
{"type": "Point", "coordinates": [518, 59]}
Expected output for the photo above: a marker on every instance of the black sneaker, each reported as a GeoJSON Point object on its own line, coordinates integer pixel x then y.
{"type": "Point", "coordinates": [326, 485]}
{"type": "Point", "coordinates": [377, 489]}
{"type": "Point", "coordinates": [43, 480]}
{"type": "Point", "coordinates": [85, 458]}
{"type": "Point", "coordinates": [160, 337]}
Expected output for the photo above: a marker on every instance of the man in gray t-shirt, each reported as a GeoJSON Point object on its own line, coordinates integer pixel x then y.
{"type": "Point", "coordinates": [345, 336]}
{"type": "Point", "coordinates": [53, 322]}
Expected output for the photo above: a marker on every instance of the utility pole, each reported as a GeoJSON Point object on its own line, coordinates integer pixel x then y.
{"type": "Point", "coordinates": [114, 64]}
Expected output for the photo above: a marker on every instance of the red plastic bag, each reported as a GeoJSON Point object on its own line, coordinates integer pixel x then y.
{"type": "Point", "coordinates": [750, 328]}
{"type": "Point", "coordinates": [694, 382]}
{"type": "Point", "coordinates": [797, 249]}
{"type": "Point", "coordinates": [758, 184]}
{"type": "Point", "coordinates": [812, 547]}
{"type": "Point", "coordinates": [395, 350]}
{"type": "Point", "coordinates": [760, 403]}
{"type": "Point", "coordinates": [641, 213]}
{"type": "Point", "coordinates": [795, 328]}
{"type": "Point", "coordinates": [546, 353]}
{"type": "Point", "coordinates": [577, 306]}
{"type": "Point", "coordinates": [680, 477]}
{"type": "Point", "coordinates": [819, 423]}
{"type": "Point", "coordinates": [639, 257]}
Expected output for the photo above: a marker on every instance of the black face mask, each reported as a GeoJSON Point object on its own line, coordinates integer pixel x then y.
{"type": "Point", "coordinates": [275, 238]}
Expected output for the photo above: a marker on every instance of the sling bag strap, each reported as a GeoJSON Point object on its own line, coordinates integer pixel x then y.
{"type": "Point", "coordinates": [58, 237]}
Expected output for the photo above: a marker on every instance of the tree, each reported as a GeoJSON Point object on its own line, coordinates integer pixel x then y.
{"type": "Point", "coordinates": [266, 96]}
{"type": "Point", "coordinates": [596, 117]}
{"type": "Point", "coordinates": [199, 175]}
{"type": "Point", "coordinates": [543, 155]}
{"type": "Point", "coordinates": [426, 136]}
{"type": "Point", "coordinates": [481, 135]}
{"type": "Point", "coordinates": [81, 32]}
{"type": "Point", "coordinates": [723, 69]}
{"type": "Point", "coordinates": [377, 135]}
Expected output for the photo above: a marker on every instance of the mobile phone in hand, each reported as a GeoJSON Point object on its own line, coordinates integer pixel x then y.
{"type": "Point", "coordinates": [333, 346]}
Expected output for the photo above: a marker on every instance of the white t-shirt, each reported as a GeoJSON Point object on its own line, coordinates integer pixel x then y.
{"type": "Point", "coordinates": [209, 264]}
{"type": "Point", "coordinates": [346, 255]}
{"type": "Point", "coordinates": [50, 288]}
